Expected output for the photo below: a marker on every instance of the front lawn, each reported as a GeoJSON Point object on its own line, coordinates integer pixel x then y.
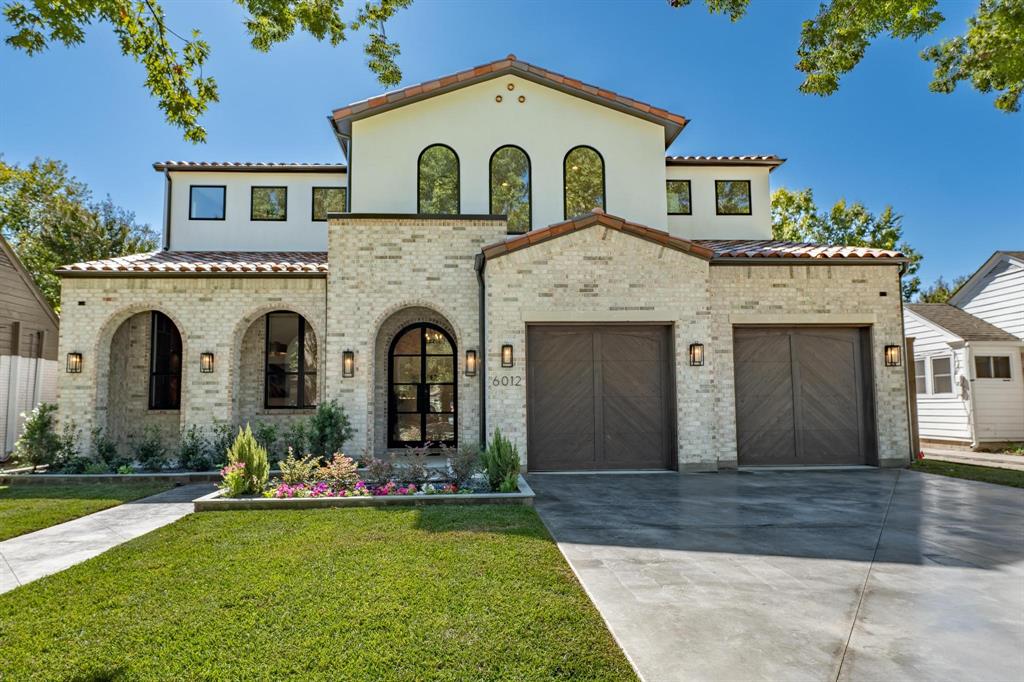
{"type": "Point", "coordinates": [25, 508]}
{"type": "Point", "coordinates": [971, 472]}
{"type": "Point", "coordinates": [436, 593]}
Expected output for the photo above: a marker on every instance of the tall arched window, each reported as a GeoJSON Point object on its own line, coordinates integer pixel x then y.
{"type": "Point", "coordinates": [583, 173]}
{"type": "Point", "coordinates": [510, 187]}
{"type": "Point", "coordinates": [437, 180]}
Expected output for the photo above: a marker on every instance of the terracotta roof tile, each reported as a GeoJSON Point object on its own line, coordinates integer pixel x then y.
{"type": "Point", "coordinates": [248, 166]}
{"type": "Point", "coordinates": [206, 262]}
{"type": "Point", "coordinates": [767, 248]}
{"type": "Point", "coordinates": [749, 160]}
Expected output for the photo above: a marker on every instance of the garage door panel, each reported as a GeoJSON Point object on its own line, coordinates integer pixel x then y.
{"type": "Point", "coordinates": [635, 449]}
{"type": "Point", "coordinates": [767, 446]}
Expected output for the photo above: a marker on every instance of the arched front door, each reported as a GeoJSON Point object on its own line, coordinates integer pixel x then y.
{"type": "Point", "coordinates": [421, 387]}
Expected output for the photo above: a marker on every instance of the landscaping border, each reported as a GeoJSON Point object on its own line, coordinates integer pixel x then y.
{"type": "Point", "coordinates": [177, 478]}
{"type": "Point", "coordinates": [217, 502]}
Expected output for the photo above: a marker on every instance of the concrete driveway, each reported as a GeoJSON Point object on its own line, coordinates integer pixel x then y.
{"type": "Point", "coordinates": [845, 575]}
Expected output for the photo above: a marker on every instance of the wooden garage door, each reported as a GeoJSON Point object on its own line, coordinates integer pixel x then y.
{"type": "Point", "coordinates": [800, 397]}
{"type": "Point", "coordinates": [599, 397]}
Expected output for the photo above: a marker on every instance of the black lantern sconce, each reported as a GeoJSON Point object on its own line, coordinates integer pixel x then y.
{"type": "Point", "coordinates": [696, 355]}
{"type": "Point", "coordinates": [506, 355]}
{"type": "Point", "coordinates": [206, 363]}
{"type": "Point", "coordinates": [470, 363]}
{"type": "Point", "coordinates": [74, 363]}
{"type": "Point", "coordinates": [893, 356]}
{"type": "Point", "coordinates": [348, 364]}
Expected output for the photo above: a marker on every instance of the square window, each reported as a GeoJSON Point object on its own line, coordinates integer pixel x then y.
{"type": "Point", "coordinates": [732, 197]}
{"type": "Point", "coordinates": [678, 192]}
{"type": "Point", "coordinates": [328, 200]}
{"type": "Point", "coordinates": [269, 203]}
{"type": "Point", "coordinates": [920, 379]}
{"type": "Point", "coordinates": [206, 202]}
{"type": "Point", "coordinates": [942, 375]}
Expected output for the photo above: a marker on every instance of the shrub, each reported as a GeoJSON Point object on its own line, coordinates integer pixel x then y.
{"type": "Point", "coordinates": [125, 469]}
{"type": "Point", "coordinates": [96, 468]}
{"type": "Point", "coordinates": [329, 429]}
{"type": "Point", "coordinates": [245, 450]}
{"type": "Point", "coordinates": [193, 450]}
{"type": "Point", "coordinates": [295, 471]}
{"type": "Point", "coordinates": [68, 459]}
{"type": "Point", "coordinates": [105, 450]}
{"type": "Point", "coordinates": [501, 461]}
{"type": "Point", "coordinates": [379, 470]}
{"type": "Point", "coordinates": [413, 467]}
{"type": "Point", "coordinates": [265, 434]}
{"type": "Point", "coordinates": [462, 463]}
{"type": "Point", "coordinates": [221, 438]}
{"type": "Point", "coordinates": [341, 471]}
{"type": "Point", "coordinates": [234, 481]}
{"type": "Point", "coordinates": [39, 441]}
{"type": "Point", "coordinates": [150, 450]}
{"type": "Point", "coordinates": [296, 438]}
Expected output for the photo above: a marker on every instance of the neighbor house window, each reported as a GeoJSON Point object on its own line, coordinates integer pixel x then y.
{"type": "Point", "coordinates": [583, 176]}
{"type": "Point", "coordinates": [678, 197]}
{"type": "Point", "coordinates": [992, 366]}
{"type": "Point", "coordinates": [164, 364]}
{"type": "Point", "coordinates": [942, 375]}
{"type": "Point", "coordinates": [732, 197]}
{"type": "Point", "coordinates": [328, 200]}
{"type": "Point", "coordinates": [919, 377]}
{"type": "Point", "coordinates": [206, 202]}
{"type": "Point", "coordinates": [291, 362]}
{"type": "Point", "coordinates": [269, 203]}
{"type": "Point", "coordinates": [437, 190]}
{"type": "Point", "coordinates": [510, 187]}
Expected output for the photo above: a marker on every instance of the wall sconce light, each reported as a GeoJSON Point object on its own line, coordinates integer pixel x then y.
{"type": "Point", "coordinates": [893, 356]}
{"type": "Point", "coordinates": [470, 363]}
{"type": "Point", "coordinates": [74, 363]}
{"type": "Point", "coordinates": [206, 363]}
{"type": "Point", "coordinates": [506, 355]}
{"type": "Point", "coordinates": [696, 354]}
{"type": "Point", "coordinates": [348, 364]}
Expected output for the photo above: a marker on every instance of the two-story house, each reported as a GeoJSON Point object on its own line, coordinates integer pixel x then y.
{"type": "Point", "coordinates": [505, 247]}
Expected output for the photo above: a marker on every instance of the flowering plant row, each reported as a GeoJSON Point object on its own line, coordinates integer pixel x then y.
{"type": "Point", "coordinates": [360, 489]}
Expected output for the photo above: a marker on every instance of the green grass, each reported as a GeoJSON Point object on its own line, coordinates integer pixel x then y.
{"type": "Point", "coordinates": [437, 593]}
{"type": "Point", "coordinates": [25, 508]}
{"type": "Point", "coordinates": [971, 472]}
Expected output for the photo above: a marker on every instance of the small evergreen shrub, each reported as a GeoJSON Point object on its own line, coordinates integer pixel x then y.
{"type": "Point", "coordinates": [246, 451]}
{"type": "Point", "coordinates": [329, 430]}
{"type": "Point", "coordinates": [68, 459]}
{"type": "Point", "coordinates": [193, 450]}
{"type": "Point", "coordinates": [39, 441]}
{"type": "Point", "coordinates": [96, 468]}
{"type": "Point", "coordinates": [221, 438]}
{"type": "Point", "coordinates": [298, 470]}
{"type": "Point", "coordinates": [150, 449]}
{"type": "Point", "coordinates": [265, 434]}
{"type": "Point", "coordinates": [296, 438]}
{"type": "Point", "coordinates": [105, 451]}
{"type": "Point", "coordinates": [501, 462]}
{"type": "Point", "coordinates": [340, 472]}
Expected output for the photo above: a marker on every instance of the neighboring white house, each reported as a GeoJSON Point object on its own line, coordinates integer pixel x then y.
{"type": "Point", "coordinates": [505, 247]}
{"type": "Point", "coordinates": [968, 357]}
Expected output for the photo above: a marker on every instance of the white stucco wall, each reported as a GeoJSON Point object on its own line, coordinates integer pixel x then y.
{"type": "Point", "coordinates": [703, 222]}
{"type": "Point", "coordinates": [385, 149]}
{"type": "Point", "coordinates": [237, 232]}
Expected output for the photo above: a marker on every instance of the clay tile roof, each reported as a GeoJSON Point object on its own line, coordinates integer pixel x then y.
{"type": "Point", "coordinates": [769, 160]}
{"type": "Point", "coordinates": [596, 217]}
{"type": "Point", "coordinates": [205, 262]}
{"type": "Point", "coordinates": [726, 249]}
{"type": "Point", "coordinates": [960, 322]}
{"type": "Point", "coordinates": [343, 117]}
{"type": "Point", "coordinates": [249, 166]}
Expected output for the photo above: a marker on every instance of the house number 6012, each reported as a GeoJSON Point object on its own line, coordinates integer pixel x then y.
{"type": "Point", "coordinates": [506, 381]}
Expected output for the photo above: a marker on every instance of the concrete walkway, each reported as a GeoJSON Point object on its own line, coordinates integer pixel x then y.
{"type": "Point", "coordinates": [985, 459]}
{"type": "Point", "coordinates": [855, 575]}
{"type": "Point", "coordinates": [34, 555]}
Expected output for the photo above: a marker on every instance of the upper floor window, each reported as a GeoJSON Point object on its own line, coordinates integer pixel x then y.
{"type": "Point", "coordinates": [328, 200]}
{"type": "Point", "coordinates": [510, 187]}
{"type": "Point", "coordinates": [992, 366]}
{"type": "Point", "coordinates": [269, 203]}
{"type": "Point", "coordinates": [164, 364]}
{"type": "Point", "coordinates": [732, 197]}
{"type": "Point", "coordinates": [678, 192]}
{"type": "Point", "coordinates": [290, 361]}
{"type": "Point", "coordinates": [437, 191]}
{"type": "Point", "coordinates": [206, 202]}
{"type": "Point", "coordinates": [583, 174]}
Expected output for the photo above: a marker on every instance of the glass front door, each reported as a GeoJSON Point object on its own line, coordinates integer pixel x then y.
{"type": "Point", "coordinates": [421, 387]}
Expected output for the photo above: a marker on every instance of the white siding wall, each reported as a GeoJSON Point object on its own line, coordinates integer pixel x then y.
{"type": "Point", "coordinates": [237, 232]}
{"type": "Point", "coordinates": [704, 223]}
{"type": "Point", "coordinates": [999, 297]}
{"type": "Point", "coordinates": [21, 387]}
{"type": "Point", "coordinates": [998, 403]}
{"type": "Point", "coordinates": [940, 417]}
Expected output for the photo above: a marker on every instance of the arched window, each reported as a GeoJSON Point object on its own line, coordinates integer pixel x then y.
{"type": "Point", "coordinates": [510, 187]}
{"type": "Point", "coordinates": [290, 362]}
{"type": "Point", "coordinates": [164, 364]}
{"type": "Point", "coordinates": [421, 387]}
{"type": "Point", "coordinates": [437, 181]}
{"type": "Point", "coordinates": [583, 173]}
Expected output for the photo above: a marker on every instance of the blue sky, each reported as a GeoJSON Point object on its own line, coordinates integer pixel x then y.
{"type": "Point", "coordinates": [953, 165]}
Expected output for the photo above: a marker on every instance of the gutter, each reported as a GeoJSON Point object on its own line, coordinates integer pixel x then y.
{"type": "Point", "coordinates": [478, 264]}
{"type": "Point", "coordinates": [971, 412]}
{"type": "Point", "coordinates": [167, 210]}
{"type": "Point", "coordinates": [906, 366]}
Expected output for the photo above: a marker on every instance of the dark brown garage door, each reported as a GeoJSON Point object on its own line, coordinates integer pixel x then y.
{"type": "Point", "coordinates": [599, 397]}
{"type": "Point", "coordinates": [801, 396]}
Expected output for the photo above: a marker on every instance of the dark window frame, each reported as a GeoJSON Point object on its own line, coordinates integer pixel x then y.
{"type": "Point", "coordinates": [458, 178]}
{"type": "Point", "coordinates": [156, 317]}
{"type": "Point", "coordinates": [992, 366]}
{"type": "Point", "coordinates": [750, 197]}
{"type": "Point", "coordinates": [224, 200]}
{"type": "Point", "coordinates": [490, 184]}
{"type": "Point", "coordinates": [301, 402]}
{"type": "Point", "coordinates": [252, 203]}
{"type": "Point", "coordinates": [392, 407]}
{"type": "Point", "coordinates": [312, 204]}
{"type": "Point", "coordinates": [565, 184]}
{"type": "Point", "coordinates": [689, 192]}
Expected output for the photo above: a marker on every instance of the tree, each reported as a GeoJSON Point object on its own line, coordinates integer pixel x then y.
{"type": "Point", "coordinates": [176, 78]}
{"type": "Point", "coordinates": [796, 218]}
{"type": "Point", "coordinates": [50, 219]}
{"type": "Point", "coordinates": [940, 291]}
{"type": "Point", "coordinates": [990, 54]}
